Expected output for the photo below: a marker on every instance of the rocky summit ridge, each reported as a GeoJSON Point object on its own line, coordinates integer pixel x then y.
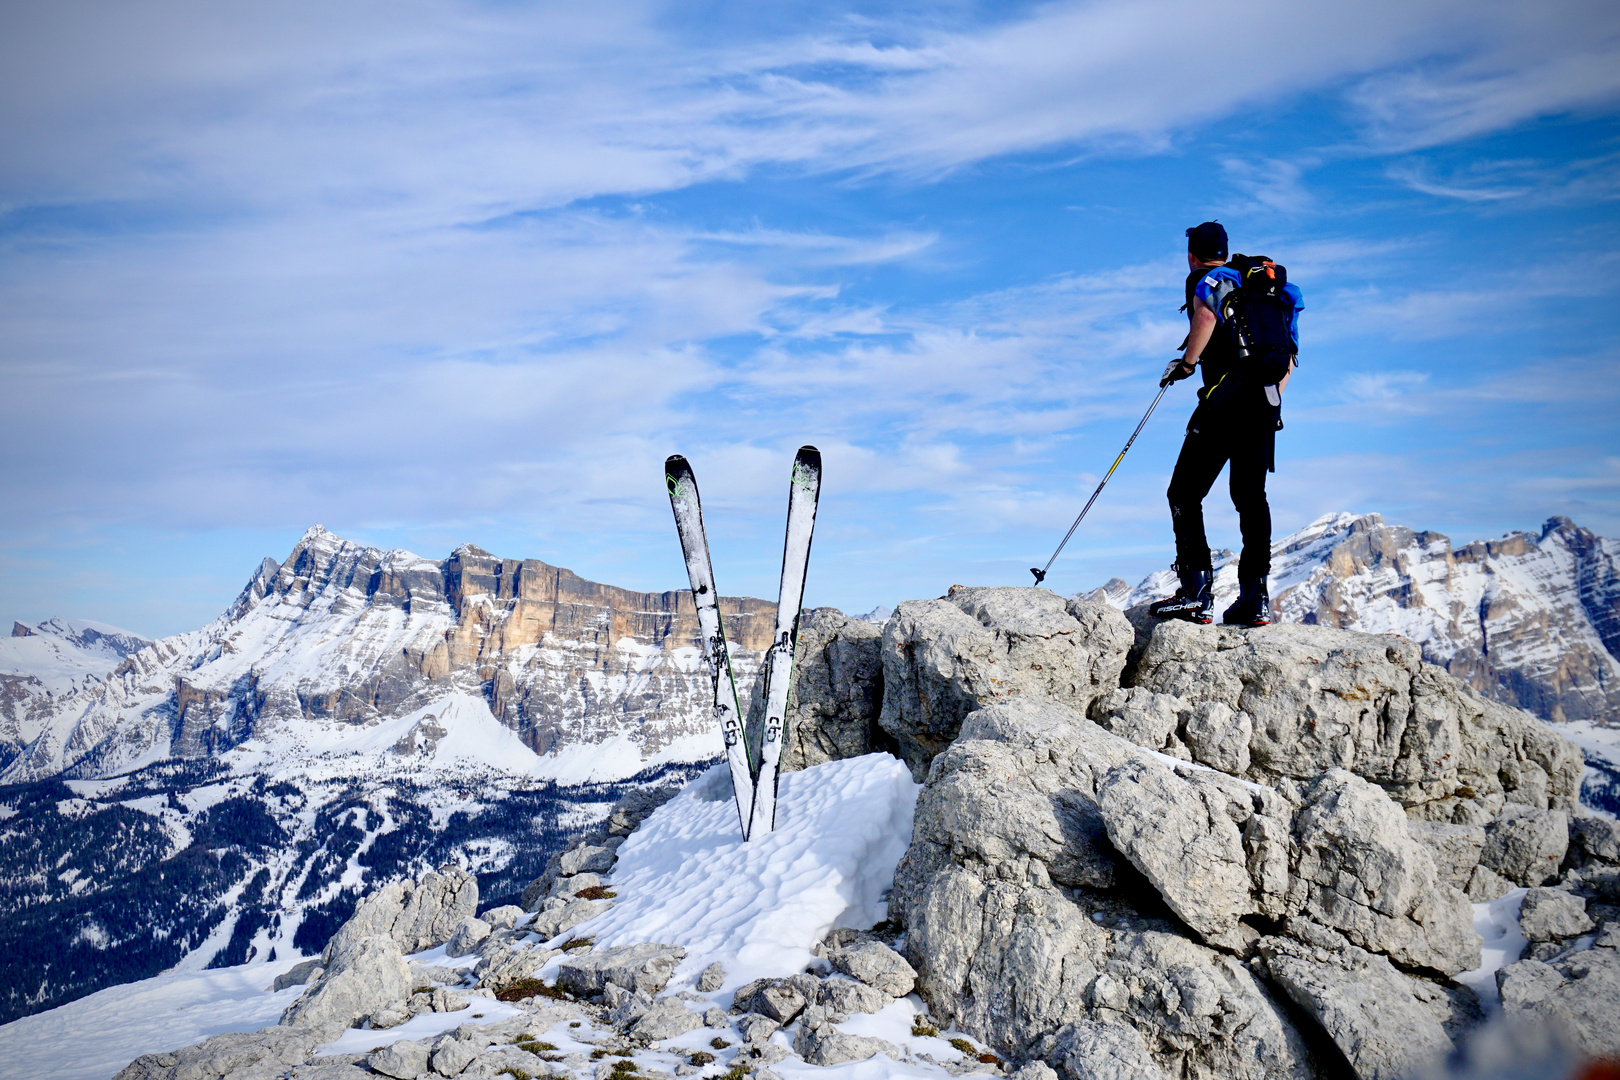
{"type": "Point", "coordinates": [1530, 618]}
{"type": "Point", "coordinates": [1139, 849]}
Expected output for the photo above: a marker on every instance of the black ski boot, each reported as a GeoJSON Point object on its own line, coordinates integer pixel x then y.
{"type": "Point", "coordinates": [1253, 607]}
{"type": "Point", "coordinates": [1193, 600]}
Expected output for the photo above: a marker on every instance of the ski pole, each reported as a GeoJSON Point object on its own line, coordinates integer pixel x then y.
{"type": "Point", "coordinates": [1040, 574]}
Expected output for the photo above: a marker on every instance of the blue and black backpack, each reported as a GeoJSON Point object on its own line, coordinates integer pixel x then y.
{"type": "Point", "coordinates": [1262, 316]}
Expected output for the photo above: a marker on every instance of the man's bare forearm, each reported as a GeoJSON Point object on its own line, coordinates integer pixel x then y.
{"type": "Point", "coordinates": [1203, 328]}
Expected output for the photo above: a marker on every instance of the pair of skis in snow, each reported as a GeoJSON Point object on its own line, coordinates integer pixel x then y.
{"type": "Point", "coordinates": [756, 793]}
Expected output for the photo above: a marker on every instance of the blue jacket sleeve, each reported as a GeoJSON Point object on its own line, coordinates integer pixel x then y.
{"type": "Point", "coordinates": [1214, 287]}
{"type": "Point", "coordinates": [1298, 298]}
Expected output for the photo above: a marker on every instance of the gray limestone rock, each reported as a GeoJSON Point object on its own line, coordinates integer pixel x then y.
{"type": "Point", "coordinates": [1209, 732]}
{"type": "Point", "coordinates": [625, 1007]}
{"type": "Point", "coordinates": [417, 915]}
{"type": "Point", "coordinates": [1143, 717]}
{"type": "Point", "coordinates": [467, 937]}
{"type": "Point", "coordinates": [1595, 839]}
{"type": "Point", "coordinates": [256, 1054]}
{"type": "Point", "coordinates": [587, 859]}
{"type": "Point", "coordinates": [451, 1056]}
{"type": "Point", "coordinates": [943, 659]}
{"type": "Point", "coordinates": [298, 975]}
{"type": "Point", "coordinates": [1218, 736]}
{"type": "Point", "coordinates": [1526, 845]}
{"type": "Point", "coordinates": [569, 884]}
{"type": "Point", "coordinates": [548, 924]}
{"type": "Point", "coordinates": [450, 976]}
{"type": "Point", "coordinates": [1485, 884]}
{"type": "Point", "coordinates": [1373, 708]}
{"type": "Point", "coordinates": [756, 1027]}
{"type": "Point", "coordinates": [1181, 837]}
{"type": "Point", "coordinates": [391, 1015]}
{"type": "Point", "coordinates": [665, 1019]}
{"type": "Point", "coordinates": [1012, 955]}
{"type": "Point", "coordinates": [502, 1059]}
{"type": "Point", "coordinates": [1104, 1050]}
{"type": "Point", "coordinates": [1012, 964]}
{"type": "Point", "coordinates": [779, 999]}
{"type": "Point", "coordinates": [405, 1059]}
{"type": "Point", "coordinates": [1036, 1070]}
{"type": "Point", "coordinates": [985, 806]}
{"type": "Point", "coordinates": [716, 1017]}
{"type": "Point", "coordinates": [340, 1070]}
{"type": "Point", "coordinates": [1551, 914]}
{"type": "Point", "coordinates": [1455, 849]}
{"type": "Point", "coordinates": [711, 978]}
{"type": "Point", "coordinates": [837, 692]}
{"type": "Point", "coordinates": [504, 964]}
{"type": "Point", "coordinates": [626, 814]}
{"type": "Point", "coordinates": [505, 917]}
{"type": "Point", "coordinates": [826, 1045]}
{"type": "Point", "coordinates": [1578, 995]}
{"type": "Point", "coordinates": [364, 978]}
{"type": "Point", "coordinates": [645, 967]}
{"type": "Point", "coordinates": [1359, 871]}
{"type": "Point", "coordinates": [1363, 1004]}
{"type": "Point", "coordinates": [850, 996]}
{"type": "Point", "coordinates": [876, 965]}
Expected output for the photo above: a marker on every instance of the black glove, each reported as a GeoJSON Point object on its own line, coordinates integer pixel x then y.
{"type": "Point", "coordinates": [1177, 371]}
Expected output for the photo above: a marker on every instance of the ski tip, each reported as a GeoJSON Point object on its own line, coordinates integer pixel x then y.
{"type": "Point", "coordinates": [675, 461]}
{"type": "Point", "coordinates": [809, 453]}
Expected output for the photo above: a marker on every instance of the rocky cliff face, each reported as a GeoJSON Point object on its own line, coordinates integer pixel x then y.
{"type": "Point", "coordinates": [1531, 619]}
{"type": "Point", "coordinates": [320, 651]}
{"type": "Point", "coordinates": [1158, 849]}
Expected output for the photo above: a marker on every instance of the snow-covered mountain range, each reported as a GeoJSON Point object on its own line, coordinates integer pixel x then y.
{"type": "Point", "coordinates": [43, 662]}
{"type": "Point", "coordinates": [358, 715]}
{"type": "Point", "coordinates": [348, 651]}
{"type": "Point", "coordinates": [354, 716]}
{"type": "Point", "coordinates": [1531, 619]}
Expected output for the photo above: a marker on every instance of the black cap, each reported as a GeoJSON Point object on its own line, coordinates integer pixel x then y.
{"type": "Point", "coordinates": [1207, 241]}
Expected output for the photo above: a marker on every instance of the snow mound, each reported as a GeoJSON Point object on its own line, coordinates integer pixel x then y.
{"type": "Point", "coordinates": [94, 1037]}
{"type": "Point", "coordinates": [1497, 924]}
{"type": "Point", "coordinates": [686, 877]}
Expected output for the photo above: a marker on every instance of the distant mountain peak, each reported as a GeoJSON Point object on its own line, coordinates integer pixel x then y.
{"type": "Point", "coordinates": [1530, 618]}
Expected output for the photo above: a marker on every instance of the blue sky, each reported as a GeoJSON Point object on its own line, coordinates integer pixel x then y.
{"type": "Point", "coordinates": [435, 272]}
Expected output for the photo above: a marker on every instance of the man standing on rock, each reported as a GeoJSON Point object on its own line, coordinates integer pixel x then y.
{"type": "Point", "coordinates": [1244, 333]}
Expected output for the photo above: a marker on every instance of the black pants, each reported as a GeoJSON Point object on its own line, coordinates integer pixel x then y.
{"type": "Point", "coordinates": [1249, 447]}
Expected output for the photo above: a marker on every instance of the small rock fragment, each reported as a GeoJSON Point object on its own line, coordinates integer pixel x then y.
{"type": "Point", "coordinates": [505, 917]}
{"type": "Point", "coordinates": [756, 1028]}
{"type": "Point", "coordinates": [452, 1056]}
{"type": "Point", "coordinates": [1551, 914]}
{"type": "Point", "coordinates": [876, 965]}
{"type": "Point", "coordinates": [403, 1060]}
{"type": "Point", "coordinates": [467, 937]}
{"type": "Point", "coordinates": [645, 967]}
{"type": "Point", "coordinates": [665, 1019]}
{"type": "Point", "coordinates": [298, 975]}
